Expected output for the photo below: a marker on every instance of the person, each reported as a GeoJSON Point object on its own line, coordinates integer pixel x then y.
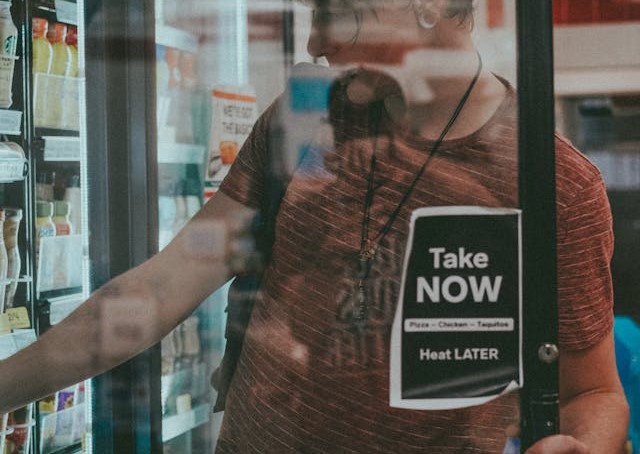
{"type": "Point", "coordinates": [313, 374]}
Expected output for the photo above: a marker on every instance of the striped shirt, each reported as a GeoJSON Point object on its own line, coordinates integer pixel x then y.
{"type": "Point", "coordinates": [307, 382]}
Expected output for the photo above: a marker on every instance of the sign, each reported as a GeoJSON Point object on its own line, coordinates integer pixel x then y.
{"type": "Point", "coordinates": [234, 113]}
{"type": "Point", "coordinates": [456, 338]}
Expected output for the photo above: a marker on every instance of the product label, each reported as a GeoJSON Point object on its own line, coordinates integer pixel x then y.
{"type": "Point", "coordinates": [456, 338]}
{"type": "Point", "coordinates": [18, 318]}
{"type": "Point", "coordinates": [233, 116]}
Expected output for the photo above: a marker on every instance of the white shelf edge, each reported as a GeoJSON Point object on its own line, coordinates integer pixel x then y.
{"type": "Point", "coordinates": [176, 425]}
{"type": "Point", "coordinates": [177, 153]}
{"type": "Point", "coordinates": [176, 38]}
{"type": "Point", "coordinates": [605, 81]}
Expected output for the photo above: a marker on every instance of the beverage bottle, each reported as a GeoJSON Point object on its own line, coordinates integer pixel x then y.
{"type": "Point", "coordinates": [42, 56]}
{"type": "Point", "coordinates": [9, 40]}
{"type": "Point", "coordinates": [181, 209]}
{"type": "Point", "coordinates": [44, 186]}
{"type": "Point", "coordinates": [71, 95]}
{"type": "Point", "coordinates": [73, 195]}
{"type": "Point", "coordinates": [44, 225]}
{"type": "Point", "coordinates": [3, 264]}
{"type": "Point", "coordinates": [71, 41]}
{"type": "Point", "coordinates": [61, 218]}
{"type": "Point", "coordinates": [61, 57]}
{"type": "Point", "coordinates": [14, 264]}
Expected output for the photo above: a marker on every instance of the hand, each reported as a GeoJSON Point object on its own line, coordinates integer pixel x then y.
{"type": "Point", "coordinates": [558, 444]}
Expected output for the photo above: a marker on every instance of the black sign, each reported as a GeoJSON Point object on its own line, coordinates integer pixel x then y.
{"type": "Point", "coordinates": [457, 332]}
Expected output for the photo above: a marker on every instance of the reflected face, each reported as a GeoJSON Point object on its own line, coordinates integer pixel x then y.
{"type": "Point", "coordinates": [367, 32]}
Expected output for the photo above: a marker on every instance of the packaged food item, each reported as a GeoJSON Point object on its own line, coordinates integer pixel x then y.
{"type": "Point", "coordinates": [18, 440]}
{"type": "Point", "coordinates": [61, 218]}
{"type": "Point", "coordinates": [13, 162]}
{"type": "Point", "coordinates": [14, 264]}
{"type": "Point", "coordinates": [3, 264]}
{"type": "Point", "coordinates": [42, 56]}
{"type": "Point", "coordinates": [65, 398]}
{"type": "Point", "coordinates": [8, 40]}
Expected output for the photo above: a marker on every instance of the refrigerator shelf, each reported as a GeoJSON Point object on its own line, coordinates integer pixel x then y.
{"type": "Point", "coordinates": [10, 122]}
{"type": "Point", "coordinates": [62, 148]}
{"type": "Point", "coordinates": [176, 425]}
{"type": "Point", "coordinates": [178, 153]}
{"type": "Point", "coordinates": [178, 39]}
{"type": "Point", "coordinates": [16, 341]}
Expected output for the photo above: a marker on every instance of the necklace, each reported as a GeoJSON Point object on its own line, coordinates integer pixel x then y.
{"type": "Point", "coordinates": [369, 246]}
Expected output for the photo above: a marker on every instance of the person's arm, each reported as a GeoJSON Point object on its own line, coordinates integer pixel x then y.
{"type": "Point", "coordinates": [131, 312]}
{"type": "Point", "coordinates": [593, 410]}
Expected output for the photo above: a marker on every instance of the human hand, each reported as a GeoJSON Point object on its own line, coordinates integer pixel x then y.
{"type": "Point", "coordinates": [559, 444]}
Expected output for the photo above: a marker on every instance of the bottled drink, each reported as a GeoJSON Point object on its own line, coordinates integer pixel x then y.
{"type": "Point", "coordinates": [71, 95]}
{"type": "Point", "coordinates": [73, 195]}
{"type": "Point", "coordinates": [44, 224]}
{"type": "Point", "coordinates": [3, 263]}
{"type": "Point", "coordinates": [72, 45]}
{"type": "Point", "coordinates": [42, 56]}
{"type": "Point", "coordinates": [14, 264]}
{"type": "Point", "coordinates": [9, 40]}
{"type": "Point", "coordinates": [61, 56]}
{"type": "Point", "coordinates": [61, 218]}
{"type": "Point", "coordinates": [44, 186]}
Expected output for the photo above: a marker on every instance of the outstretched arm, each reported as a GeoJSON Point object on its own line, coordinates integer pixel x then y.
{"type": "Point", "coordinates": [130, 313]}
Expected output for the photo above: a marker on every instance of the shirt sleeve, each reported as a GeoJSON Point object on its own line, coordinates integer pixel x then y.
{"type": "Point", "coordinates": [245, 182]}
{"type": "Point", "coordinates": [585, 248]}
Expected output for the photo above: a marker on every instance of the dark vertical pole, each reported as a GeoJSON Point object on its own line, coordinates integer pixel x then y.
{"type": "Point", "coordinates": [120, 83]}
{"type": "Point", "coordinates": [539, 398]}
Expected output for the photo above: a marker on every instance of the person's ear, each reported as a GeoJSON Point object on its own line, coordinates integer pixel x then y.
{"type": "Point", "coordinates": [428, 12]}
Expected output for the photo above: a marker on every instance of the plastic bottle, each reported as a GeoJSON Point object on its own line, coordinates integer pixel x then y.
{"type": "Point", "coordinates": [44, 186]}
{"type": "Point", "coordinates": [3, 263]}
{"type": "Point", "coordinates": [44, 224]}
{"type": "Point", "coordinates": [14, 264]}
{"type": "Point", "coordinates": [71, 94]}
{"type": "Point", "coordinates": [71, 41]}
{"type": "Point", "coordinates": [8, 40]}
{"type": "Point", "coordinates": [61, 218]}
{"type": "Point", "coordinates": [73, 195]}
{"type": "Point", "coordinates": [42, 56]}
{"type": "Point", "coordinates": [60, 61]}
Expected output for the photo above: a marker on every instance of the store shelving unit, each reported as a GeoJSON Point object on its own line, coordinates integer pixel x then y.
{"type": "Point", "coordinates": [601, 59]}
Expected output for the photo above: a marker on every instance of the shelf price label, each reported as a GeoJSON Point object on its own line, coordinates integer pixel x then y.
{"type": "Point", "coordinates": [67, 12]}
{"type": "Point", "coordinates": [18, 318]}
{"type": "Point", "coordinates": [10, 122]}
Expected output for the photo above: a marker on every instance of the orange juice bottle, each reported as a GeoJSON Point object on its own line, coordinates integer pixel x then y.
{"type": "Point", "coordinates": [42, 55]}
{"type": "Point", "coordinates": [59, 66]}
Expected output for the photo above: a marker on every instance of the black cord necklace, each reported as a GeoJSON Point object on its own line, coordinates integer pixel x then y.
{"type": "Point", "coordinates": [369, 246]}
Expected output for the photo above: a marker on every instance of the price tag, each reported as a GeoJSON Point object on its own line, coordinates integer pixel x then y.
{"type": "Point", "coordinates": [18, 318]}
{"type": "Point", "coordinates": [61, 148]}
{"type": "Point", "coordinates": [10, 122]}
{"type": "Point", "coordinates": [456, 337]}
{"type": "Point", "coordinates": [67, 12]}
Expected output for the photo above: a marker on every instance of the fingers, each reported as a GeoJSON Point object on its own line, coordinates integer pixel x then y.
{"type": "Point", "coordinates": [559, 444]}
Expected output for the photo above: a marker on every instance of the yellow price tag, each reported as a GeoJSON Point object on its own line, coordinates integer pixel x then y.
{"type": "Point", "coordinates": [18, 318]}
{"type": "Point", "coordinates": [5, 326]}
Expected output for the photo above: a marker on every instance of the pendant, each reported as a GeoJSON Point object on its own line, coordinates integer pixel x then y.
{"type": "Point", "coordinates": [359, 313]}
